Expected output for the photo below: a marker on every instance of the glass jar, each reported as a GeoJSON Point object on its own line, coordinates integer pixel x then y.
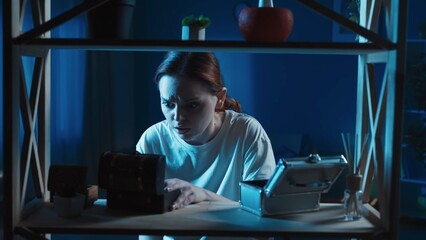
{"type": "Point", "coordinates": [353, 198]}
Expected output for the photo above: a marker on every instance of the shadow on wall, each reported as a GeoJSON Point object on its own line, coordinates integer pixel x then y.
{"type": "Point", "coordinates": [307, 94]}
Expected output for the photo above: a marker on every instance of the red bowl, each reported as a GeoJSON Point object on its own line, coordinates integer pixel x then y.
{"type": "Point", "coordinates": [266, 24]}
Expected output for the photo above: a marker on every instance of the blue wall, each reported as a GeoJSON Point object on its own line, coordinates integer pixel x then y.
{"type": "Point", "coordinates": [289, 94]}
{"type": "Point", "coordinates": [310, 95]}
{"type": "Point", "coordinates": [416, 19]}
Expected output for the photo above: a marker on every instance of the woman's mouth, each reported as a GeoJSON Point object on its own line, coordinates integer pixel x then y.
{"type": "Point", "coordinates": [181, 130]}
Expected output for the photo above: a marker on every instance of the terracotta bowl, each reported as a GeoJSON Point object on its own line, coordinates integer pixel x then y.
{"type": "Point", "coordinates": [266, 24]}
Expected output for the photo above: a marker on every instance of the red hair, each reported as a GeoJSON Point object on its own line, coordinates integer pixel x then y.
{"type": "Point", "coordinates": [199, 66]}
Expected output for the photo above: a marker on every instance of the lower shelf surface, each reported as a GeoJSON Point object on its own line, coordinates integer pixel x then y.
{"type": "Point", "coordinates": [207, 218]}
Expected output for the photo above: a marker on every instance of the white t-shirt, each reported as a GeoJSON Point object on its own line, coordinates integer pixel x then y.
{"type": "Point", "coordinates": [240, 151]}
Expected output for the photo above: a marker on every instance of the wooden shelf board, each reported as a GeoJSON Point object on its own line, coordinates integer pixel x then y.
{"type": "Point", "coordinates": [325, 48]}
{"type": "Point", "coordinates": [206, 218]}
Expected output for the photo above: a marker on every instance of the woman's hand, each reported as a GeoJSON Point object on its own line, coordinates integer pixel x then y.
{"type": "Point", "coordinates": [189, 193]}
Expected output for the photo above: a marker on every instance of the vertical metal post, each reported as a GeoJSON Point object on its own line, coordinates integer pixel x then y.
{"type": "Point", "coordinates": [11, 155]}
{"type": "Point", "coordinates": [45, 104]}
{"type": "Point", "coordinates": [393, 128]}
{"type": "Point", "coordinates": [13, 14]}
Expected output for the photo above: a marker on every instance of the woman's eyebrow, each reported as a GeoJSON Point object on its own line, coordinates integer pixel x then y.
{"type": "Point", "coordinates": [191, 99]}
{"type": "Point", "coordinates": [172, 98]}
{"type": "Point", "coordinates": [175, 99]}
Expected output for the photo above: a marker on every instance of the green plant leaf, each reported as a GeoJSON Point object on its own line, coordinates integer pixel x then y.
{"type": "Point", "coordinates": [200, 21]}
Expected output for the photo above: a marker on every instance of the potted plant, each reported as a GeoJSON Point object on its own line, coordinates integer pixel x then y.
{"type": "Point", "coordinates": [266, 23]}
{"type": "Point", "coordinates": [68, 202]}
{"type": "Point", "coordinates": [111, 20]}
{"type": "Point", "coordinates": [353, 9]}
{"type": "Point", "coordinates": [67, 186]}
{"type": "Point", "coordinates": [194, 28]}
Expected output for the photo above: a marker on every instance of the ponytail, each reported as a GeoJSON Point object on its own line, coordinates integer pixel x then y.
{"type": "Point", "coordinates": [232, 104]}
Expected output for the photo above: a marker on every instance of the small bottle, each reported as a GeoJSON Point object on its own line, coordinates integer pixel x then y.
{"type": "Point", "coordinates": [353, 197]}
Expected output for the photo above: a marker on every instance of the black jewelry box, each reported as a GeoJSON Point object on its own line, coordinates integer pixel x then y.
{"type": "Point", "coordinates": [135, 182]}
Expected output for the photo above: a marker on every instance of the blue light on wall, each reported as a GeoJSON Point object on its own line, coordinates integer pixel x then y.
{"type": "Point", "coordinates": [286, 73]}
{"type": "Point", "coordinates": [68, 71]}
{"type": "Point", "coordinates": [288, 94]}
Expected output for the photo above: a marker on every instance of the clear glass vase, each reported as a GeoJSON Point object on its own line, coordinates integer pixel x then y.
{"type": "Point", "coordinates": [353, 198]}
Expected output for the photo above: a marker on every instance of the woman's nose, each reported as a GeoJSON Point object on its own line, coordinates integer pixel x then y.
{"type": "Point", "coordinates": [179, 114]}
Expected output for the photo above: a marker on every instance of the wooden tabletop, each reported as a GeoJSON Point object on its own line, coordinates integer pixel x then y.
{"type": "Point", "coordinates": [207, 218]}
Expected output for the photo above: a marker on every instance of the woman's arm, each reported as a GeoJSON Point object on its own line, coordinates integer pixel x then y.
{"type": "Point", "coordinates": [190, 194]}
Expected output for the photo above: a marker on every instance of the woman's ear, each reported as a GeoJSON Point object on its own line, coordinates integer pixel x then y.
{"type": "Point", "coordinates": [221, 98]}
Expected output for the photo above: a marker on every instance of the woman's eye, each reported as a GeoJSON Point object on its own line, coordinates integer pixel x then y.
{"type": "Point", "coordinates": [193, 105]}
{"type": "Point", "coordinates": [169, 104]}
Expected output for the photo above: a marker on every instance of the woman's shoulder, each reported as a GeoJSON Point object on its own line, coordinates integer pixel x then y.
{"type": "Point", "coordinates": [156, 129]}
{"type": "Point", "coordinates": [156, 133]}
{"type": "Point", "coordinates": [153, 137]}
{"type": "Point", "coordinates": [243, 123]}
{"type": "Point", "coordinates": [236, 118]}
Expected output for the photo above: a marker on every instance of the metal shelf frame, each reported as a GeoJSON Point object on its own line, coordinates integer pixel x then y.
{"type": "Point", "coordinates": [379, 114]}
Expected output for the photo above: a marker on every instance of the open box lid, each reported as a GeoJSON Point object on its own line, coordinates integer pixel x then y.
{"type": "Point", "coordinates": [305, 175]}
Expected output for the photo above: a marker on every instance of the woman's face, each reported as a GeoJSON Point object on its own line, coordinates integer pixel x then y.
{"type": "Point", "coordinates": [189, 107]}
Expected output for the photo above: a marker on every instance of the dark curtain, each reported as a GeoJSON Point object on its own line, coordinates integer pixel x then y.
{"type": "Point", "coordinates": [92, 99]}
{"type": "Point", "coordinates": [109, 122]}
{"type": "Point", "coordinates": [67, 90]}
{"type": "Point", "coordinates": [96, 99]}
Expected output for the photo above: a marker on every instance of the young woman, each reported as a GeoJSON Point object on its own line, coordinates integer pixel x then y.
{"type": "Point", "coordinates": [209, 145]}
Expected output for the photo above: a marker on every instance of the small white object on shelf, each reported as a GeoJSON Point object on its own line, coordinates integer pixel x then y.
{"type": "Point", "coordinates": [193, 33]}
{"type": "Point", "coordinates": [266, 3]}
{"type": "Point", "coordinates": [69, 206]}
